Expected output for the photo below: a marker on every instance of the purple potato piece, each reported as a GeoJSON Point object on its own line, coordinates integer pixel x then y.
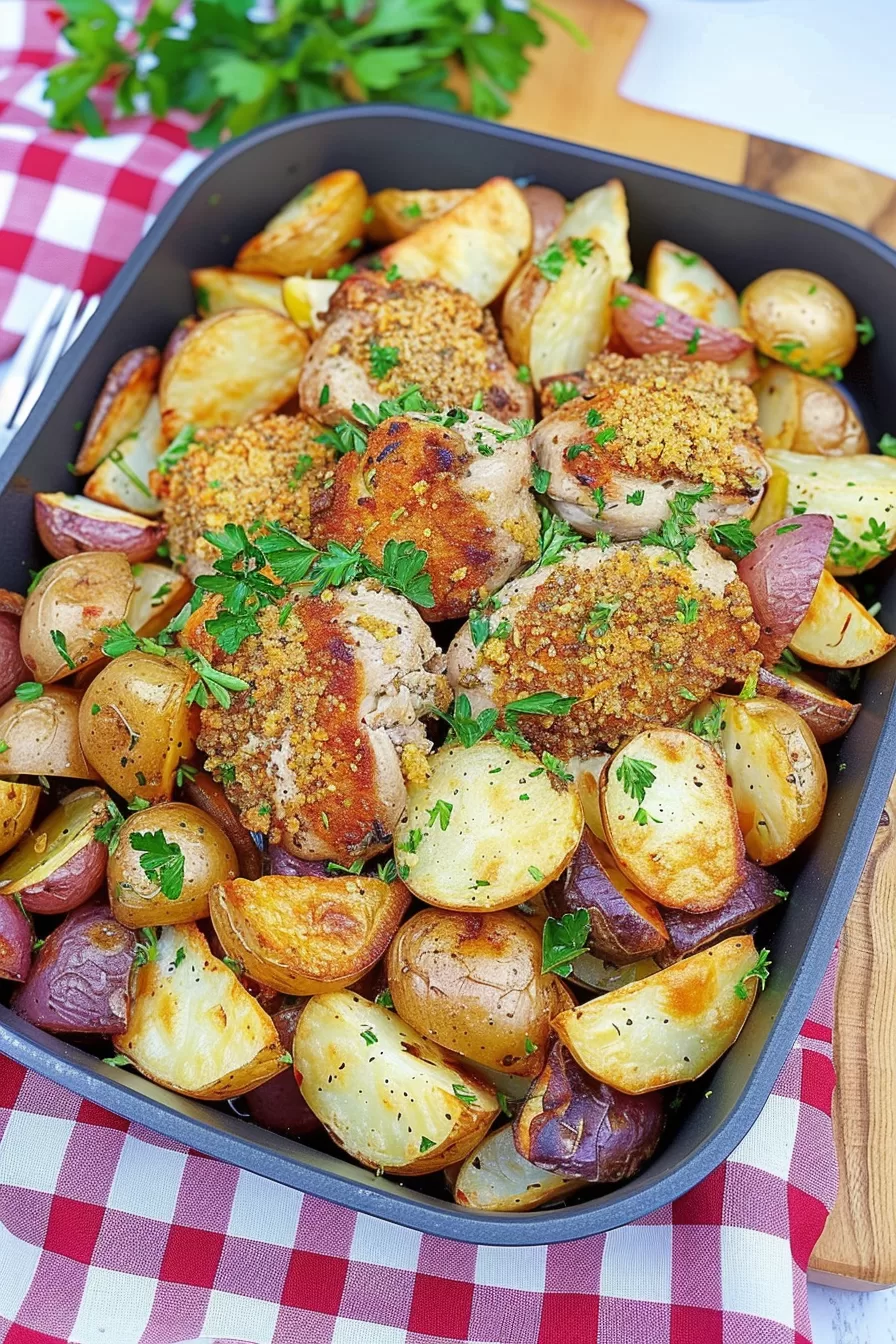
{"type": "Point", "coordinates": [581, 1128]}
{"type": "Point", "coordinates": [687, 932]}
{"type": "Point", "coordinates": [284, 864]}
{"type": "Point", "coordinates": [15, 941]}
{"type": "Point", "coordinates": [278, 1104]}
{"type": "Point", "coordinates": [79, 982]}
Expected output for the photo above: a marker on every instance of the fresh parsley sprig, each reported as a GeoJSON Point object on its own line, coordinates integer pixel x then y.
{"type": "Point", "coordinates": [466, 729]}
{"type": "Point", "coordinates": [557, 540]}
{"type": "Point", "coordinates": [162, 861]}
{"type": "Point", "coordinates": [563, 940]}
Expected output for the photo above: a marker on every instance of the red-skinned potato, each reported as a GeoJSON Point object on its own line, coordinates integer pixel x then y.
{"type": "Point", "coordinates": [80, 979]}
{"type": "Point", "coordinates": [625, 925]}
{"type": "Point", "coordinates": [759, 892]}
{"type": "Point", "coordinates": [67, 524]}
{"type": "Point", "coordinates": [60, 864]}
{"type": "Point", "coordinates": [827, 715]}
{"type": "Point", "coordinates": [307, 935]}
{"type": "Point", "coordinates": [12, 668]}
{"type": "Point", "coordinates": [781, 576]}
{"type": "Point", "coordinates": [15, 941]}
{"type": "Point", "coordinates": [42, 738]}
{"type": "Point", "coordinates": [677, 333]}
{"type": "Point", "coordinates": [206, 857]}
{"type": "Point", "coordinates": [278, 1104]}
{"type": "Point", "coordinates": [204, 792]}
{"type": "Point", "coordinates": [120, 406]}
{"type": "Point", "coordinates": [65, 612]}
{"type": "Point", "coordinates": [141, 730]}
{"type": "Point", "coordinates": [548, 210]}
{"type": "Point", "coordinates": [576, 1126]}
{"type": "Point", "coordinates": [18, 804]}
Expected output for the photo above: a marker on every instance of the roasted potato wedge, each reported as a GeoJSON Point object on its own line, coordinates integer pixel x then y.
{"type": "Point", "coordinates": [387, 1095]}
{"type": "Point", "coordinates": [669, 1028]}
{"type": "Point", "coordinates": [121, 478]}
{"type": "Point", "coordinates": [553, 325]}
{"type": "Point", "coordinates": [307, 935]}
{"type": "Point", "coordinates": [477, 246]}
{"type": "Point", "coordinates": [473, 983]}
{"type": "Point", "coordinates": [602, 215]}
{"type": "Point", "coordinates": [687, 281]}
{"type": "Point", "coordinates": [759, 892]}
{"type": "Point", "coordinates": [781, 576]}
{"type": "Point", "coordinates": [317, 230]}
{"type": "Point", "coordinates": [495, 1178]}
{"type": "Point", "coordinates": [827, 715]}
{"type": "Point", "coordinates": [777, 774]}
{"type": "Point", "coordinates": [800, 318]}
{"type": "Point", "coordinates": [60, 864]}
{"type": "Point", "coordinates": [16, 937]}
{"type": "Point", "coordinates": [625, 925]}
{"type": "Point", "coordinates": [12, 668]}
{"type": "Point", "coordinates": [67, 524]}
{"type": "Point", "coordinates": [18, 804]}
{"type": "Point", "coordinates": [41, 736]}
{"type": "Point", "coordinates": [120, 406]}
{"type": "Point", "coordinates": [62, 624]}
{"type": "Point", "coordinates": [229, 367]}
{"type": "Point", "coordinates": [216, 289]}
{"type": "Point", "coordinates": [587, 770]}
{"type": "Point", "coordinates": [837, 631]}
{"type": "Point", "coordinates": [670, 819]}
{"type": "Point", "coordinates": [140, 728]}
{"type": "Point", "coordinates": [807, 415]}
{"type": "Point", "coordinates": [649, 327]}
{"type": "Point", "coordinates": [307, 301]}
{"type": "Point", "coordinates": [579, 1127]}
{"type": "Point", "coordinates": [159, 594]}
{"type": "Point", "coordinates": [80, 980]}
{"type": "Point", "coordinates": [397, 213]}
{"type": "Point", "coordinates": [193, 1027]}
{"type": "Point", "coordinates": [199, 857]}
{"type": "Point", "coordinates": [471, 841]}
{"type": "Point", "coordinates": [859, 493]}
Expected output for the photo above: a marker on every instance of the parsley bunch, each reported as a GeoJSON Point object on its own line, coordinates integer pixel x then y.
{"type": "Point", "coordinates": [236, 73]}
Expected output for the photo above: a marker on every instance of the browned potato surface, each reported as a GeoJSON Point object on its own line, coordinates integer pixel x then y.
{"type": "Point", "coordinates": [199, 856]}
{"type": "Point", "coordinates": [801, 319]}
{"type": "Point", "coordinates": [669, 1028]}
{"type": "Point", "coordinates": [16, 937]}
{"type": "Point", "coordinates": [682, 278]}
{"type": "Point", "coordinates": [216, 289]}
{"type": "Point", "coordinates": [18, 804]}
{"type": "Point", "coordinates": [120, 406]}
{"type": "Point", "coordinates": [62, 624]}
{"type": "Point", "coordinates": [495, 1178]}
{"type": "Point", "coordinates": [397, 213]}
{"type": "Point", "coordinates": [827, 715]}
{"type": "Point", "coordinates": [759, 892]}
{"type": "Point", "coordinates": [41, 736]}
{"type": "Point", "coordinates": [807, 415]}
{"type": "Point", "coordinates": [859, 493]}
{"type": "Point", "coordinates": [307, 935]}
{"type": "Point", "coordinates": [60, 864]}
{"type": "Point", "coordinates": [837, 631]}
{"type": "Point", "coordinates": [80, 980]}
{"type": "Point", "coordinates": [473, 983]}
{"type": "Point", "coordinates": [670, 819]}
{"type": "Point", "coordinates": [317, 230]}
{"type": "Point", "coordinates": [67, 524]}
{"type": "Point", "coordinates": [560, 324]}
{"type": "Point", "coordinates": [121, 478]}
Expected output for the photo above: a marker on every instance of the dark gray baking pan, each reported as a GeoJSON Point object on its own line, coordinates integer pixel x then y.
{"type": "Point", "coordinates": [744, 233]}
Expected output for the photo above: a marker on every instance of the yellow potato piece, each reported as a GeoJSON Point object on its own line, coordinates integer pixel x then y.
{"type": "Point", "coordinates": [837, 631]}
{"type": "Point", "coordinates": [859, 493]}
{"type": "Point", "coordinates": [601, 215]}
{"type": "Point", "coordinates": [807, 415]}
{"type": "Point", "coordinates": [497, 1179]}
{"type": "Point", "coordinates": [683, 278]}
{"type": "Point", "coordinates": [217, 289]}
{"type": "Point", "coordinates": [317, 230]}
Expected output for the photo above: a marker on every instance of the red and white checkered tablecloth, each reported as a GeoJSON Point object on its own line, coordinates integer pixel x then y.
{"type": "Point", "coordinates": [110, 1234]}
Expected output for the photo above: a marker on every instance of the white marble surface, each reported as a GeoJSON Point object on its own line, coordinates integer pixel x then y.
{"type": "Point", "coordinates": [841, 1317]}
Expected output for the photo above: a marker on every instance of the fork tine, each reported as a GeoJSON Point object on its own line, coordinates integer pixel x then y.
{"type": "Point", "coordinates": [54, 349]}
{"type": "Point", "coordinates": [87, 313]}
{"type": "Point", "coordinates": [17, 376]}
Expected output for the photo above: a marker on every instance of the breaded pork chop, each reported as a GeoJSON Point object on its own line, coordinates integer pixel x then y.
{"type": "Point", "coordinates": [316, 753]}
{"type": "Point", "coordinates": [618, 454]}
{"type": "Point", "coordinates": [631, 632]}
{"type": "Point", "coordinates": [265, 468]}
{"type": "Point", "coordinates": [381, 337]}
{"type": "Point", "coordinates": [461, 494]}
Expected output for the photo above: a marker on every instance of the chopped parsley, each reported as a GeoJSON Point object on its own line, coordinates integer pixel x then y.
{"type": "Point", "coordinates": [384, 999]}
{"type": "Point", "coordinates": [61, 647]}
{"type": "Point", "coordinates": [176, 449]}
{"type": "Point", "coordinates": [736, 536]}
{"type": "Point", "coordinates": [464, 728]}
{"type": "Point", "coordinates": [686, 610]}
{"type": "Point", "coordinates": [550, 262]}
{"type": "Point", "coordinates": [636, 777]}
{"type": "Point", "coordinates": [865, 330]}
{"type": "Point", "coordinates": [441, 813]}
{"type": "Point", "coordinates": [636, 497]}
{"type": "Point", "coordinates": [709, 727]}
{"type": "Point", "coordinates": [29, 690]}
{"type": "Point", "coordinates": [383, 359]}
{"type": "Point", "coordinates": [562, 940]}
{"type": "Point", "coordinates": [161, 860]}
{"type": "Point", "coordinates": [557, 539]}
{"type": "Point", "coordinates": [759, 973]}
{"type": "Point", "coordinates": [563, 391]}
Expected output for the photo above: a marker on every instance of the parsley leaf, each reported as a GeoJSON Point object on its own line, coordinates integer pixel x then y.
{"type": "Point", "coordinates": [467, 730]}
{"type": "Point", "coordinates": [636, 777]}
{"type": "Point", "coordinates": [383, 359]}
{"type": "Point", "coordinates": [562, 940]}
{"type": "Point", "coordinates": [709, 727]}
{"type": "Point", "coordinates": [557, 539]}
{"type": "Point", "coordinates": [759, 972]}
{"type": "Point", "coordinates": [107, 833]}
{"type": "Point", "coordinates": [736, 536]}
{"type": "Point", "coordinates": [562, 392]}
{"type": "Point", "coordinates": [161, 860]}
{"type": "Point", "coordinates": [551, 261]}
{"type": "Point", "coordinates": [555, 766]}
{"type": "Point", "coordinates": [402, 569]}
{"type": "Point", "coordinates": [29, 690]}
{"type": "Point", "coordinates": [147, 947]}
{"type": "Point", "coordinates": [177, 449]}
{"type": "Point", "coordinates": [441, 813]}
{"type": "Point", "coordinates": [686, 609]}
{"type": "Point", "coordinates": [61, 647]}
{"type": "Point", "coordinates": [542, 702]}
{"type": "Point", "coordinates": [865, 329]}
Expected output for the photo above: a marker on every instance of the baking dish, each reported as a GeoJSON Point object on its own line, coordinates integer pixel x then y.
{"type": "Point", "coordinates": [226, 200]}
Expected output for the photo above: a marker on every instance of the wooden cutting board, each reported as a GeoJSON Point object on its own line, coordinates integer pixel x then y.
{"type": "Point", "coordinates": [571, 93]}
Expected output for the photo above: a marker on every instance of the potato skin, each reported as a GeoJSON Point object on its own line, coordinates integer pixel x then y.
{"type": "Point", "coordinates": [755, 895]}
{"type": "Point", "coordinates": [625, 925]}
{"type": "Point", "coordinates": [15, 941]}
{"type": "Point", "coordinates": [12, 666]}
{"type": "Point", "coordinates": [80, 980]}
{"type": "Point", "coordinates": [473, 983]}
{"type": "Point", "coordinates": [791, 305]}
{"type": "Point", "coordinates": [278, 1104]}
{"type": "Point", "coordinates": [66, 524]}
{"type": "Point", "coordinates": [42, 736]}
{"type": "Point", "coordinates": [18, 804]}
{"type": "Point", "coordinates": [75, 597]}
{"type": "Point", "coordinates": [313, 232]}
{"type": "Point", "coordinates": [61, 864]}
{"type": "Point", "coordinates": [307, 935]}
{"type": "Point", "coordinates": [781, 576]}
{"type": "Point", "coordinates": [576, 1126]}
{"type": "Point", "coordinates": [120, 406]}
{"type": "Point", "coordinates": [827, 715]}
{"type": "Point", "coordinates": [209, 858]}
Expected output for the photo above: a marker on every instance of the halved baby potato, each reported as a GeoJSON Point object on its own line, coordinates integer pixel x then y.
{"type": "Point", "coordinates": [64, 616]}
{"type": "Point", "coordinates": [602, 215]}
{"type": "Point", "coordinates": [391, 1098]}
{"type": "Point", "coordinates": [859, 493]}
{"type": "Point", "coordinates": [198, 851]}
{"type": "Point", "coordinates": [837, 631]}
{"type": "Point", "coordinates": [483, 832]}
{"type": "Point", "coordinates": [317, 230]}
{"type": "Point", "coordinates": [41, 736]}
{"type": "Point", "coordinates": [800, 318]}
{"type": "Point", "coordinates": [229, 367]}
{"type": "Point", "coordinates": [477, 246]}
{"type": "Point", "coordinates": [216, 289]}
{"type": "Point", "coordinates": [307, 301]}
{"type": "Point", "coordinates": [648, 326]}
{"type": "Point", "coordinates": [60, 864]}
{"type": "Point", "coordinates": [473, 983]}
{"type": "Point", "coordinates": [397, 213]}
{"type": "Point", "coordinates": [670, 819]}
{"type": "Point", "coordinates": [307, 935]}
{"type": "Point", "coordinates": [160, 593]}
{"type": "Point", "coordinates": [18, 804]}
{"type": "Point", "coordinates": [193, 1027]}
{"type": "Point", "coordinates": [496, 1178]}
{"type": "Point", "coordinates": [555, 325]}
{"type": "Point", "coordinates": [777, 774]}
{"type": "Point", "coordinates": [120, 406]}
{"type": "Point", "coordinates": [121, 478]}
{"type": "Point", "coordinates": [669, 1028]}
{"type": "Point", "coordinates": [67, 524]}
{"type": "Point", "coordinates": [807, 415]}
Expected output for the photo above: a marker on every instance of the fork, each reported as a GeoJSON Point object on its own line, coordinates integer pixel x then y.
{"type": "Point", "coordinates": [59, 322]}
